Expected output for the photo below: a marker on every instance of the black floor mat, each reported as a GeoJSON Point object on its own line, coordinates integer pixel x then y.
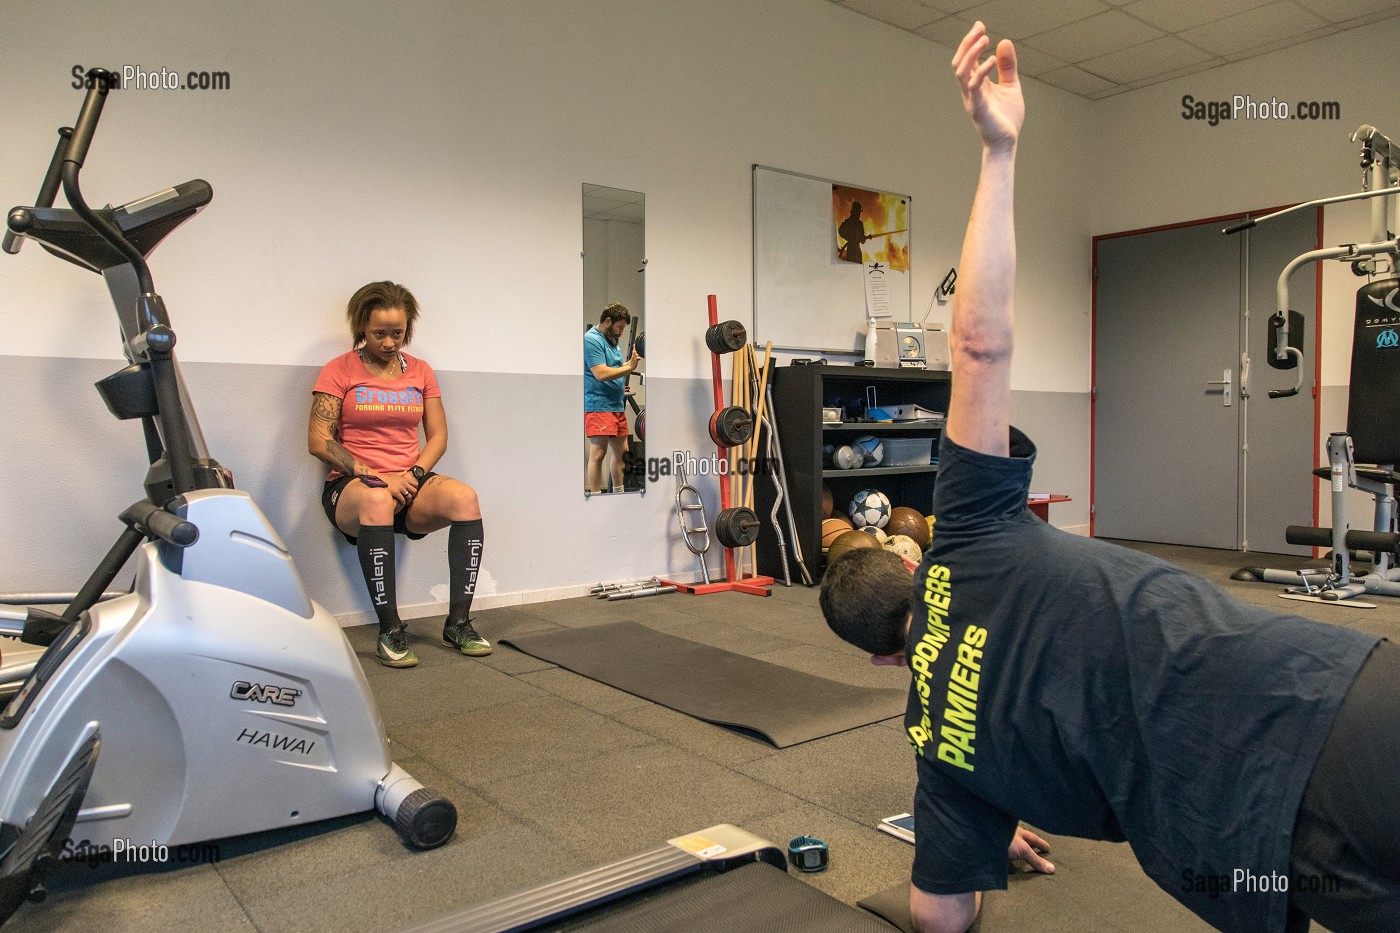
{"type": "Point", "coordinates": [784, 706]}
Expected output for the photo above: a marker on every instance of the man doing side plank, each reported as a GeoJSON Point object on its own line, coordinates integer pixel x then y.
{"type": "Point", "coordinates": [1098, 692]}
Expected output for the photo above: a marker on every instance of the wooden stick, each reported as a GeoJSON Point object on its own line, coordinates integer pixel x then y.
{"type": "Point", "coordinates": [746, 354]}
{"type": "Point", "coordinates": [753, 441]}
{"type": "Point", "coordinates": [741, 400]}
{"type": "Point", "coordinates": [762, 401]}
{"type": "Point", "coordinates": [739, 395]}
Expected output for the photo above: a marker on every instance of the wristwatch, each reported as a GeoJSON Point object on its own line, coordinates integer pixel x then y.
{"type": "Point", "coordinates": [418, 472]}
{"type": "Point", "coordinates": [808, 854]}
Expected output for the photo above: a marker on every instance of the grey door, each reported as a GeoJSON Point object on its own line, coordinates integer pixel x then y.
{"type": "Point", "coordinates": [1166, 446]}
{"type": "Point", "coordinates": [1173, 462]}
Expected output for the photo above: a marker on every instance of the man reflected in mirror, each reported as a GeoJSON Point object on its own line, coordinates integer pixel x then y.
{"type": "Point", "coordinates": [604, 380]}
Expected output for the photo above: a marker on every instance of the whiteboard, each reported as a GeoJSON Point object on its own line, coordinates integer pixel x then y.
{"type": "Point", "coordinates": [804, 298]}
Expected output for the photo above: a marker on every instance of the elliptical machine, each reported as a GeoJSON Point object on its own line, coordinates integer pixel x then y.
{"type": "Point", "coordinates": [223, 701]}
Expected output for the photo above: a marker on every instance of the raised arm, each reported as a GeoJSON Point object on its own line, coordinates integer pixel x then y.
{"type": "Point", "coordinates": [979, 410]}
{"type": "Point", "coordinates": [605, 373]}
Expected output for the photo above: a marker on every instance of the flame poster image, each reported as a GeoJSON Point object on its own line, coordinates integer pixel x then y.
{"type": "Point", "coordinates": [870, 226]}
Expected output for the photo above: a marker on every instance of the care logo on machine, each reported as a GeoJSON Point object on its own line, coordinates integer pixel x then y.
{"type": "Point", "coordinates": [265, 693]}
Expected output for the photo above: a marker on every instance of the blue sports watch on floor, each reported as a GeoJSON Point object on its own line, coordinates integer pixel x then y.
{"type": "Point", "coordinates": [808, 854]}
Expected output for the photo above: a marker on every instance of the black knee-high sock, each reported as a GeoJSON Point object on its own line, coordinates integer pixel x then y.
{"type": "Point", "coordinates": [376, 546]}
{"type": "Point", "coordinates": [464, 544]}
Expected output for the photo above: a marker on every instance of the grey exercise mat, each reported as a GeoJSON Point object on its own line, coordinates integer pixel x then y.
{"type": "Point", "coordinates": [751, 897]}
{"type": "Point", "coordinates": [785, 706]}
{"type": "Point", "coordinates": [891, 905]}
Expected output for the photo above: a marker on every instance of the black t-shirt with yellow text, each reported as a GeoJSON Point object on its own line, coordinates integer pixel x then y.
{"type": "Point", "coordinates": [1098, 692]}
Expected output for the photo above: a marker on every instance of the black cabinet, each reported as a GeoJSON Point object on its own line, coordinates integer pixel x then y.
{"type": "Point", "coordinates": [799, 394]}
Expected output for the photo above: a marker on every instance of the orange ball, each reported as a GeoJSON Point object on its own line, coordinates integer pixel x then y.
{"type": "Point", "coordinates": [832, 528]}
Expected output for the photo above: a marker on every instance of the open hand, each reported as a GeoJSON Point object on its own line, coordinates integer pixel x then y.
{"type": "Point", "coordinates": [1027, 847]}
{"type": "Point", "coordinates": [997, 110]}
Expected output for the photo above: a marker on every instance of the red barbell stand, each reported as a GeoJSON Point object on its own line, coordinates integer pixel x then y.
{"type": "Point", "coordinates": [754, 585]}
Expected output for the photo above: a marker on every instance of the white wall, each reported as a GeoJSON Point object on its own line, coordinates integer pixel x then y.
{"type": "Point", "coordinates": [444, 144]}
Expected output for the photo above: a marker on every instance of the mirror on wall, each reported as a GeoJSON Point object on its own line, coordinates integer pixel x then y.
{"type": "Point", "coordinates": [614, 340]}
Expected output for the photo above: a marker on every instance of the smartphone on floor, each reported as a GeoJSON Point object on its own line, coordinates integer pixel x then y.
{"type": "Point", "coordinates": [900, 826]}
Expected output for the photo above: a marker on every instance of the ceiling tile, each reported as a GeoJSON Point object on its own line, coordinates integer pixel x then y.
{"type": "Point", "coordinates": [906, 14]}
{"type": "Point", "coordinates": [1284, 43]}
{"type": "Point", "coordinates": [1175, 15]}
{"type": "Point", "coordinates": [948, 31]}
{"type": "Point", "coordinates": [1144, 61]}
{"type": "Point", "coordinates": [1171, 75]}
{"type": "Point", "coordinates": [950, 6]}
{"type": "Point", "coordinates": [1368, 18]}
{"type": "Point", "coordinates": [1033, 61]}
{"type": "Point", "coordinates": [1259, 26]}
{"type": "Point", "coordinates": [1016, 19]}
{"type": "Point", "coordinates": [1075, 81]}
{"type": "Point", "coordinates": [1339, 11]}
{"type": "Point", "coordinates": [1095, 36]}
{"type": "Point", "coordinates": [1120, 45]}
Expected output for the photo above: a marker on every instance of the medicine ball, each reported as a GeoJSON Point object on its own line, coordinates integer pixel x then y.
{"type": "Point", "coordinates": [907, 521]}
{"type": "Point", "coordinates": [848, 541]}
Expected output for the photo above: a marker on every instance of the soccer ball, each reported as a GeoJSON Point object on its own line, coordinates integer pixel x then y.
{"type": "Point", "coordinates": [869, 507]}
{"type": "Point", "coordinates": [905, 546]}
{"type": "Point", "coordinates": [877, 533]}
{"type": "Point", "coordinates": [872, 448]}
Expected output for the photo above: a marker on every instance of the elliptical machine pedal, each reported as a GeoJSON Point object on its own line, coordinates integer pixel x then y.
{"type": "Point", "coordinates": [30, 851]}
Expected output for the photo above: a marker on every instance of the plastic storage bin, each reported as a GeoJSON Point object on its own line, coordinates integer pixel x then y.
{"type": "Point", "coordinates": [907, 451]}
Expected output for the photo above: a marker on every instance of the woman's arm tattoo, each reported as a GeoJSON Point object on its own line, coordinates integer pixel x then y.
{"type": "Point", "coordinates": [343, 458]}
{"type": "Point", "coordinates": [325, 409]}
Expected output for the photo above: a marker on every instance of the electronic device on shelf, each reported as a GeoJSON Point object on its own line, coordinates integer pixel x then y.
{"type": "Point", "coordinates": [906, 345]}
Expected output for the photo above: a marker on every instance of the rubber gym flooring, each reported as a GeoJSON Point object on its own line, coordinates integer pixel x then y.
{"type": "Point", "coordinates": [552, 773]}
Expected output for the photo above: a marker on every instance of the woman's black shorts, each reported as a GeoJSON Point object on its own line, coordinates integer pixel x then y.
{"type": "Point", "coordinates": [330, 495]}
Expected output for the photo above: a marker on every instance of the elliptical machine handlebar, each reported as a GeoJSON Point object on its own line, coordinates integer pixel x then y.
{"type": "Point", "coordinates": [148, 518]}
{"type": "Point", "coordinates": [47, 191]}
{"type": "Point", "coordinates": [99, 82]}
{"type": "Point", "coordinates": [151, 335]}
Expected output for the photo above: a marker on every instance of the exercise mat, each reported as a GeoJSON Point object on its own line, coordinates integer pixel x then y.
{"type": "Point", "coordinates": [750, 897]}
{"type": "Point", "coordinates": [892, 905]}
{"type": "Point", "coordinates": [785, 706]}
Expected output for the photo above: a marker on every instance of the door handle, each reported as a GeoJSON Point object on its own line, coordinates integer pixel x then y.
{"type": "Point", "coordinates": [1226, 388]}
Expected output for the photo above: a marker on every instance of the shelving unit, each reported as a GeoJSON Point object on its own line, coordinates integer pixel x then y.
{"type": "Point", "coordinates": [799, 394]}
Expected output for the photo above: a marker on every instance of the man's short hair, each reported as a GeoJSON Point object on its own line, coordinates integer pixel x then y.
{"type": "Point", "coordinates": [615, 312]}
{"type": "Point", "coordinates": [866, 598]}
